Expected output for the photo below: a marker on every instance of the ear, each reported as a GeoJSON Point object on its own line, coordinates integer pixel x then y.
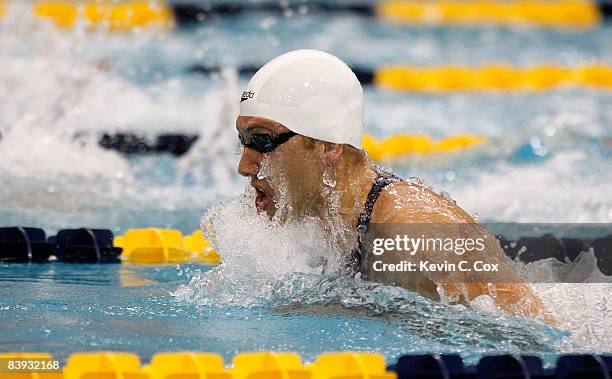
{"type": "Point", "coordinates": [331, 153]}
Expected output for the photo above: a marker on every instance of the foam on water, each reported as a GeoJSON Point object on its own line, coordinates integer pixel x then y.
{"type": "Point", "coordinates": [268, 265]}
{"type": "Point", "coordinates": [58, 103]}
{"type": "Point", "coordinates": [564, 188]}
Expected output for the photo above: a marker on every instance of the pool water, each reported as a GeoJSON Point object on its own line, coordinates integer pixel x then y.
{"type": "Point", "coordinates": [548, 159]}
{"type": "Point", "coordinates": [63, 308]}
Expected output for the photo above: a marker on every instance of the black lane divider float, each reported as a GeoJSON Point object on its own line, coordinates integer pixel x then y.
{"type": "Point", "coordinates": [583, 366]}
{"type": "Point", "coordinates": [192, 13]}
{"type": "Point", "coordinates": [606, 9]}
{"type": "Point", "coordinates": [531, 249]}
{"type": "Point", "coordinates": [24, 244]}
{"type": "Point", "coordinates": [365, 75]}
{"type": "Point", "coordinates": [129, 143]}
{"type": "Point", "coordinates": [85, 246]}
{"type": "Point", "coordinates": [21, 244]}
{"type": "Point", "coordinates": [185, 13]}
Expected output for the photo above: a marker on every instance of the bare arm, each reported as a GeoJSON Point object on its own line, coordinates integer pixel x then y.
{"type": "Point", "coordinates": [404, 203]}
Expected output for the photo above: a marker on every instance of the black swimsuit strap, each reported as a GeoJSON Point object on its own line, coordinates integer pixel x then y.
{"type": "Point", "coordinates": [382, 181]}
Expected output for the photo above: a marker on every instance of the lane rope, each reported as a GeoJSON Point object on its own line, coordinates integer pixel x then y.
{"type": "Point", "coordinates": [386, 149]}
{"type": "Point", "coordinates": [268, 364]}
{"type": "Point", "coordinates": [131, 14]}
{"type": "Point", "coordinates": [498, 77]}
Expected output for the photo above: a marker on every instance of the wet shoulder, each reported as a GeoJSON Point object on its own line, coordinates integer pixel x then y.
{"type": "Point", "coordinates": [414, 202]}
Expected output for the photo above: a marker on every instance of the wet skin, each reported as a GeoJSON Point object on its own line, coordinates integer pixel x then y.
{"type": "Point", "coordinates": [399, 203]}
{"type": "Point", "coordinates": [299, 164]}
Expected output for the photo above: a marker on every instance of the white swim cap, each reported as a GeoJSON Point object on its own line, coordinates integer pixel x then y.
{"type": "Point", "coordinates": [310, 92]}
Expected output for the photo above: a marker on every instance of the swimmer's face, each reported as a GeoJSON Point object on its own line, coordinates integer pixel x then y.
{"type": "Point", "coordinates": [293, 167]}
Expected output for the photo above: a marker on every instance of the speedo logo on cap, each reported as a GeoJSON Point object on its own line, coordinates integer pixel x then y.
{"type": "Point", "coordinates": [247, 95]}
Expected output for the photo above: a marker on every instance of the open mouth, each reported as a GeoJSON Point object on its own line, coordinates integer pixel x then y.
{"type": "Point", "coordinates": [262, 198]}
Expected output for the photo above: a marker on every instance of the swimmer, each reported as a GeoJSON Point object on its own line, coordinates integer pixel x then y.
{"type": "Point", "coordinates": [300, 125]}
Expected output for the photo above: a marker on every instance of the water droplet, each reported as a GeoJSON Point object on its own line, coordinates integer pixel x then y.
{"type": "Point", "coordinates": [450, 175]}
{"type": "Point", "coordinates": [538, 148]}
{"type": "Point", "coordinates": [329, 182]}
{"type": "Point", "coordinates": [267, 23]}
{"type": "Point", "coordinates": [447, 196]}
{"type": "Point", "coordinates": [264, 168]}
{"type": "Point", "coordinates": [303, 9]}
{"type": "Point", "coordinates": [550, 130]}
{"type": "Point", "coordinates": [415, 180]}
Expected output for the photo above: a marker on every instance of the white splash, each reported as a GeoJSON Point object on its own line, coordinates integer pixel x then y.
{"type": "Point", "coordinates": [255, 253]}
{"type": "Point", "coordinates": [271, 265]}
{"type": "Point", "coordinates": [547, 191]}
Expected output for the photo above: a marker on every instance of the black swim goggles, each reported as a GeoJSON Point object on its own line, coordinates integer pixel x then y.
{"type": "Point", "coordinates": [265, 143]}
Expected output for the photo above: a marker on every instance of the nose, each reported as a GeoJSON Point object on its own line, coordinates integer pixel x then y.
{"type": "Point", "coordinates": [249, 162]}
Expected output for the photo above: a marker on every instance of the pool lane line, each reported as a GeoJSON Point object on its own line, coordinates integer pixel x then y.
{"type": "Point", "coordinates": [158, 245]}
{"type": "Point", "coordinates": [452, 78]}
{"type": "Point", "coordinates": [84, 245]}
{"type": "Point", "coordinates": [135, 14]}
{"type": "Point", "coordinates": [386, 149]}
{"type": "Point", "coordinates": [328, 365]}
{"type": "Point", "coordinates": [555, 13]}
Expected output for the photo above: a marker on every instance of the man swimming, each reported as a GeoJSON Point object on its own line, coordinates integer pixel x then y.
{"type": "Point", "coordinates": [301, 123]}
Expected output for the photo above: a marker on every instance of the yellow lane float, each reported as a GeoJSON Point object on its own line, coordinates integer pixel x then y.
{"type": "Point", "coordinates": [153, 245]}
{"type": "Point", "coordinates": [114, 16]}
{"type": "Point", "coordinates": [197, 243]}
{"type": "Point", "coordinates": [255, 365]}
{"type": "Point", "coordinates": [550, 13]}
{"type": "Point", "coordinates": [268, 365]}
{"type": "Point", "coordinates": [104, 365]}
{"type": "Point", "coordinates": [350, 365]}
{"type": "Point", "coordinates": [187, 365]}
{"type": "Point", "coordinates": [401, 145]}
{"type": "Point", "coordinates": [496, 77]}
